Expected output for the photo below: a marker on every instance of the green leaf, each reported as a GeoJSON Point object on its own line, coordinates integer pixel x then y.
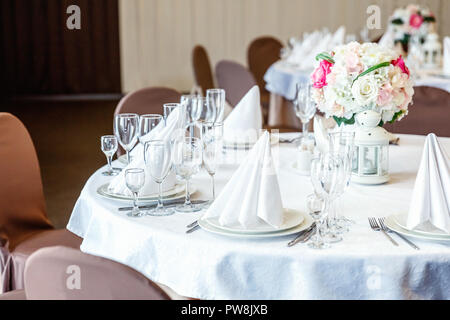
{"type": "Point", "coordinates": [397, 21]}
{"type": "Point", "coordinates": [396, 115]}
{"type": "Point", "coordinates": [325, 56]}
{"type": "Point", "coordinates": [342, 120]}
{"type": "Point", "coordinates": [429, 19]}
{"type": "Point", "coordinates": [373, 68]}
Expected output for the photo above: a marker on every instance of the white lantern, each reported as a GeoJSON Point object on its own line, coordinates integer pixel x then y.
{"type": "Point", "coordinates": [371, 160]}
{"type": "Point", "coordinates": [432, 51]}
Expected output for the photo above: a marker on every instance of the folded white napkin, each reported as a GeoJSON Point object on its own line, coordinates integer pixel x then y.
{"type": "Point", "coordinates": [320, 135]}
{"type": "Point", "coordinates": [431, 195]}
{"type": "Point", "coordinates": [303, 48]}
{"type": "Point", "coordinates": [338, 38]}
{"type": "Point", "coordinates": [388, 39]}
{"type": "Point", "coordinates": [175, 124]}
{"type": "Point", "coordinates": [252, 196]}
{"type": "Point", "coordinates": [244, 123]}
{"type": "Point", "coordinates": [322, 45]}
{"type": "Point", "coordinates": [446, 56]}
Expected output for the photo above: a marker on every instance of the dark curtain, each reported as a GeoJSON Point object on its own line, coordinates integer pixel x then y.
{"type": "Point", "coordinates": [40, 55]}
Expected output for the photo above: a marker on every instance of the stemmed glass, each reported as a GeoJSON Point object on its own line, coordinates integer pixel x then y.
{"type": "Point", "coordinates": [135, 179]}
{"type": "Point", "coordinates": [109, 147]}
{"type": "Point", "coordinates": [190, 103]}
{"type": "Point", "coordinates": [342, 143]}
{"type": "Point", "coordinates": [304, 106]}
{"type": "Point", "coordinates": [126, 127]}
{"type": "Point", "coordinates": [212, 138]}
{"type": "Point", "coordinates": [157, 155]}
{"type": "Point", "coordinates": [325, 174]}
{"type": "Point", "coordinates": [216, 100]}
{"type": "Point", "coordinates": [147, 123]}
{"type": "Point", "coordinates": [316, 210]}
{"type": "Point", "coordinates": [168, 109]}
{"type": "Point", "coordinates": [187, 161]}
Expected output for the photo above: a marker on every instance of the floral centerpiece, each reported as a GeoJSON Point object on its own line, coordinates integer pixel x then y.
{"type": "Point", "coordinates": [413, 20]}
{"type": "Point", "coordinates": [357, 77]}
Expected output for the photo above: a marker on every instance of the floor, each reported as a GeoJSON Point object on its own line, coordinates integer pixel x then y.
{"type": "Point", "coordinates": [66, 135]}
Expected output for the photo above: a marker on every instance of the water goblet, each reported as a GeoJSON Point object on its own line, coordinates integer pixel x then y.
{"type": "Point", "coordinates": [315, 205]}
{"type": "Point", "coordinates": [157, 155]}
{"type": "Point", "coordinates": [168, 108]}
{"type": "Point", "coordinates": [109, 147]}
{"type": "Point", "coordinates": [147, 123]}
{"type": "Point", "coordinates": [304, 106]}
{"type": "Point", "coordinates": [216, 101]}
{"type": "Point", "coordinates": [126, 129]}
{"type": "Point", "coordinates": [135, 179]}
{"type": "Point", "coordinates": [187, 161]}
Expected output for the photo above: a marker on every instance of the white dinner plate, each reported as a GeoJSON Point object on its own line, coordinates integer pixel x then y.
{"type": "Point", "coordinates": [307, 222]}
{"type": "Point", "coordinates": [292, 218]}
{"type": "Point", "coordinates": [392, 224]}
{"type": "Point", "coordinates": [425, 230]}
{"type": "Point", "coordinates": [177, 192]}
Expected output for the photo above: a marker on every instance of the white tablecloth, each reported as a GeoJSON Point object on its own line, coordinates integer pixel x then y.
{"type": "Point", "coordinates": [207, 266]}
{"type": "Point", "coordinates": [282, 78]}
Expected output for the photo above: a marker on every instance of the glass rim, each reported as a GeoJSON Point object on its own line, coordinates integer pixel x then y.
{"type": "Point", "coordinates": [152, 116]}
{"type": "Point", "coordinates": [156, 142]}
{"type": "Point", "coordinates": [211, 123]}
{"type": "Point", "coordinates": [108, 136]}
{"type": "Point", "coordinates": [127, 115]}
{"type": "Point", "coordinates": [172, 104]}
{"type": "Point", "coordinates": [134, 170]}
{"type": "Point", "coordinates": [215, 90]}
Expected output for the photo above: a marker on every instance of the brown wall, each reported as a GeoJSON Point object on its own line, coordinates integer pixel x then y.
{"type": "Point", "coordinates": [39, 55]}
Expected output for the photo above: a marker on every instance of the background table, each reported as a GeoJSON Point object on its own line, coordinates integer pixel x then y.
{"type": "Point", "coordinates": [207, 266]}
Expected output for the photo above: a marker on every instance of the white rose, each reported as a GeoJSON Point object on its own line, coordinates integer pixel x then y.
{"type": "Point", "coordinates": [365, 90]}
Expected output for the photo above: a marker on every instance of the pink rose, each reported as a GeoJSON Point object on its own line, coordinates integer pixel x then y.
{"type": "Point", "coordinates": [415, 21]}
{"type": "Point", "coordinates": [401, 64]}
{"type": "Point", "coordinates": [352, 63]}
{"type": "Point", "coordinates": [319, 76]}
{"type": "Point", "coordinates": [385, 95]}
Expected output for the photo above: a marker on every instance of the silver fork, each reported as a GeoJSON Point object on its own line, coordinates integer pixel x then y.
{"type": "Point", "coordinates": [374, 225]}
{"type": "Point", "coordinates": [383, 226]}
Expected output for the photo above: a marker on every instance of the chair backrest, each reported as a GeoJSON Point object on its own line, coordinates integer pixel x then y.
{"type": "Point", "coordinates": [427, 114]}
{"type": "Point", "coordinates": [146, 101]}
{"type": "Point", "coordinates": [236, 79]}
{"type": "Point", "coordinates": [261, 54]}
{"type": "Point", "coordinates": [202, 69]}
{"type": "Point", "coordinates": [22, 202]}
{"type": "Point", "coordinates": [62, 273]}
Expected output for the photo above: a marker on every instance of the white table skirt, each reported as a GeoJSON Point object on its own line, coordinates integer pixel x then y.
{"type": "Point", "coordinates": [282, 79]}
{"type": "Point", "coordinates": [207, 266]}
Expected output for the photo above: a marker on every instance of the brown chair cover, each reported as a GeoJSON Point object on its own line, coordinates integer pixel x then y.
{"type": "Point", "coordinates": [429, 113]}
{"type": "Point", "coordinates": [261, 54]}
{"type": "Point", "coordinates": [236, 79]}
{"type": "Point", "coordinates": [146, 101]}
{"type": "Point", "coordinates": [202, 69]}
{"type": "Point", "coordinates": [282, 115]}
{"type": "Point", "coordinates": [24, 226]}
{"type": "Point", "coordinates": [53, 274]}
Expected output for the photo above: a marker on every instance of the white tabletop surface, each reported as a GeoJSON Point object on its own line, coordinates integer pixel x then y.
{"type": "Point", "coordinates": [208, 266]}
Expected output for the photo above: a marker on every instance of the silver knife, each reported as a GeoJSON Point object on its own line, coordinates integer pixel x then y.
{"type": "Point", "coordinates": [303, 236]}
{"type": "Point", "coordinates": [193, 229]}
{"type": "Point", "coordinates": [168, 204]}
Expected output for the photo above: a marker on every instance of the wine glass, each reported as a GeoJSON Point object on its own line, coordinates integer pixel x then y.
{"type": "Point", "coordinates": [212, 138]}
{"type": "Point", "coordinates": [168, 109]}
{"type": "Point", "coordinates": [190, 103]}
{"type": "Point", "coordinates": [126, 127]}
{"type": "Point", "coordinates": [325, 174]}
{"type": "Point", "coordinates": [147, 123]}
{"type": "Point", "coordinates": [304, 106]}
{"type": "Point", "coordinates": [157, 155]}
{"type": "Point", "coordinates": [109, 147]}
{"type": "Point", "coordinates": [216, 101]}
{"type": "Point", "coordinates": [187, 161]}
{"type": "Point", "coordinates": [315, 205]}
{"type": "Point", "coordinates": [135, 179]}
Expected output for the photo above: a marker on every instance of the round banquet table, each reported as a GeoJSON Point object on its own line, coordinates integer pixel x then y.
{"type": "Point", "coordinates": [365, 265]}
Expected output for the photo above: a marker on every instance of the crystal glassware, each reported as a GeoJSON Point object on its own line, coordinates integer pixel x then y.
{"type": "Point", "coordinates": [187, 161]}
{"type": "Point", "coordinates": [147, 123]}
{"type": "Point", "coordinates": [168, 108]}
{"type": "Point", "coordinates": [135, 179]}
{"type": "Point", "coordinates": [157, 154]}
{"type": "Point", "coordinates": [126, 129]}
{"type": "Point", "coordinates": [212, 138]}
{"type": "Point", "coordinates": [216, 100]}
{"type": "Point", "coordinates": [304, 106]}
{"type": "Point", "coordinates": [315, 205]}
{"type": "Point", "coordinates": [109, 147]}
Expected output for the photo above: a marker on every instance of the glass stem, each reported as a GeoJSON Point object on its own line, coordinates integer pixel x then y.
{"type": "Point", "coordinates": [305, 129]}
{"type": "Point", "coordinates": [109, 159]}
{"type": "Point", "coordinates": [188, 196]}
{"type": "Point", "coordinates": [213, 188]}
{"type": "Point", "coordinates": [160, 202]}
{"type": "Point", "coordinates": [135, 206]}
{"type": "Point", "coordinates": [128, 157]}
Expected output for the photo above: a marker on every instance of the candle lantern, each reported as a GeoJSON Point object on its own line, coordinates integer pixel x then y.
{"type": "Point", "coordinates": [432, 51]}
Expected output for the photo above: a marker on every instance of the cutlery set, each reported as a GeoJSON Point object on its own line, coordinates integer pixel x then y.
{"type": "Point", "coordinates": [379, 225]}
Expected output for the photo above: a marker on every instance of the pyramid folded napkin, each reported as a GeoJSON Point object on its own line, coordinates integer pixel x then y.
{"type": "Point", "coordinates": [446, 56]}
{"type": "Point", "coordinates": [430, 202]}
{"type": "Point", "coordinates": [252, 196]}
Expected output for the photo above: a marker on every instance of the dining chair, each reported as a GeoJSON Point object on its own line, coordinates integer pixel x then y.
{"type": "Point", "coordinates": [427, 114]}
{"type": "Point", "coordinates": [62, 273]}
{"type": "Point", "coordinates": [146, 101]}
{"type": "Point", "coordinates": [261, 54]}
{"type": "Point", "coordinates": [24, 226]}
{"type": "Point", "coordinates": [202, 69]}
{"type": "Point", "coordinates": [235, 78]}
